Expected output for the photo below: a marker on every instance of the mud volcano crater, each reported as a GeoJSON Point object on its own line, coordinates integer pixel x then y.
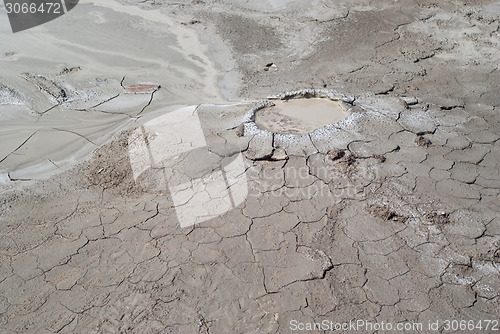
{"type": "Point", "coordinates": [301, 112]}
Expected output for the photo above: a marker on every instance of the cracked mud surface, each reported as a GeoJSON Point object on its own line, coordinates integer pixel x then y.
{"type": "Point", "coordinates": [389, 215]}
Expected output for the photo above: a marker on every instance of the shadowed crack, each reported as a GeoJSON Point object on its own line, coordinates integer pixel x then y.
{"type": "Point", "coordinates": [76, 133]}
{"type": "Point", "coordinates": [17, 148]}
{"type": "Point", "coordinates": [150, 101]}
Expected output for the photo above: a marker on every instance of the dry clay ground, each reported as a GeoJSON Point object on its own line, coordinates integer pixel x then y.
{"type": "Point", "coordinates": [391, 215]}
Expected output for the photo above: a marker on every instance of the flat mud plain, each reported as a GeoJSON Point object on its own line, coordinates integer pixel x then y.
{"type": "Point", "coordinates": [391, 214]}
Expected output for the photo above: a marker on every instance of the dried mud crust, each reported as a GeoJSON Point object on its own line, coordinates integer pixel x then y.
{"type": "Point", "coordinates": [110, 166]}
{"type": "Point", "coordinates": [311, 241]}
{"type": "Point", "coordinates": [374, 227]}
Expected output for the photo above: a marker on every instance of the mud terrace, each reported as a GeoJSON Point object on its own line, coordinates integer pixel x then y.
{"type": "Point", "coordinates": [391, 214]}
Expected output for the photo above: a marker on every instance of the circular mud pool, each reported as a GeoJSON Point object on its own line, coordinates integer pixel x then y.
{"type": "Point", "coordinates": [300, 115]}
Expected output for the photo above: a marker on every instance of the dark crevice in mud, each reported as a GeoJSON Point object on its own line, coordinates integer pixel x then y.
{"type": "Point", "coordinates": [150, 101]}
{"type": "Point", "coordinates": [386, 213]}
{"type": "Point", "coordinates": [12, 179]}
{"type": "Point", "coordinates": [421, 133]}
{"type": "Point", "coordinates": [386, 92]}
{"type": "Point", "coordinates": [451, 107]}
{"type": "Point", "coordinates": [46, 111]}
{"type": "Point", "coordinates": [336, 154]}
{"type": "Point", "coordinates": [424, 57]}
{"type": "Point", "coordinates": [100, 103]}
{"type": "Point", "coordinates": [17, 148]}
{"type": "Point", "coordinates": [52, 162]}
{"type": "Point", "coordinates": [76, 133]}
{"type": "Point", "coordinates": [312, 142]}
{"type": "Point", "coordinates": [110, 112]}
{"type": "Point", "coordinates": [441, 218]}
{"type": "Point", "coordinates": [422, 141]}
{"type": "Point", "coordinates": [268, 158]}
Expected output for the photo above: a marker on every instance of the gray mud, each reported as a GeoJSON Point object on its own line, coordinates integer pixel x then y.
{"type": "Point", "coordinates": [389, 215]}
